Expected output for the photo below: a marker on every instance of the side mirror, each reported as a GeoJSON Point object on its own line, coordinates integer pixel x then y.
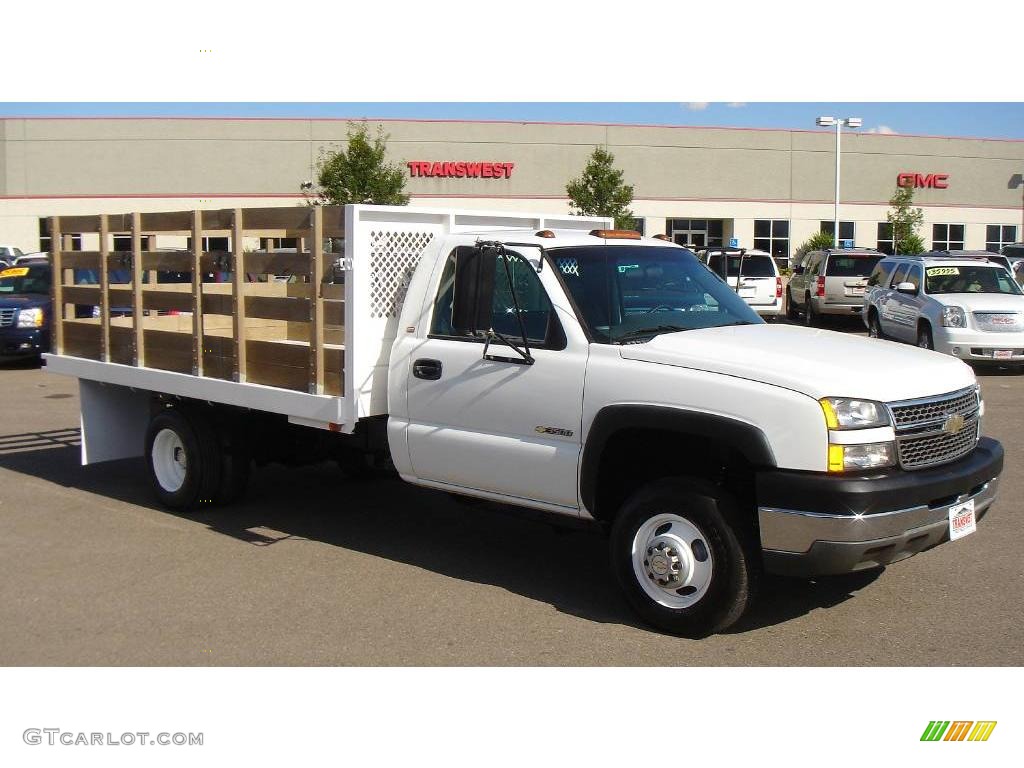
{"type": "Point", "coordinates": [907, 288]}
{"type": "Point", "coordinates": [473, 302]}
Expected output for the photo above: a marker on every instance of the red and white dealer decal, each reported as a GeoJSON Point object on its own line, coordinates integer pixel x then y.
{"type": "Point", "coordinates": [459, 169]}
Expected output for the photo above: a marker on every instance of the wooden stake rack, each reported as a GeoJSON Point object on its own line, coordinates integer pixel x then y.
{"type": "Point", "coordinates": [235, 318]}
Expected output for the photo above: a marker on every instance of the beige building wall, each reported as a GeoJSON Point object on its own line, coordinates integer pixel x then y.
{"type": "Point", "coordinates": [54, 166]}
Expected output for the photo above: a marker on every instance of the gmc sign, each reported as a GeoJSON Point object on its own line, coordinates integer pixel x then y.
{"type": "Point", "coordinates": [923, 180]}
{"type": "Point", "coordinates": [460, 170]}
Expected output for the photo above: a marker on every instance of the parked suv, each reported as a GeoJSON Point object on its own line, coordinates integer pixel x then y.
{"type": "Point", "coordinates": [963, 305]}
{"type": "Point", "coordinates": [751, 273]}
{"type": "Point", "coordinates": [24, 311]}
{"type": "Point", "coordinates": [830, 282]}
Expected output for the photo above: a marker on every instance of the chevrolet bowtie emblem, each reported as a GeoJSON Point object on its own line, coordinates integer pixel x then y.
{"type": "Point", "coordinates": [954, 423]}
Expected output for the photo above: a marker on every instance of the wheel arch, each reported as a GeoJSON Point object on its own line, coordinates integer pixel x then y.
{"type": "Point", "coordinates": [641, 436]}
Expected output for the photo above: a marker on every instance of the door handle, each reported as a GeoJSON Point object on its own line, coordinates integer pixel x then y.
{"type": "Point", "coordinates": [427, 369]}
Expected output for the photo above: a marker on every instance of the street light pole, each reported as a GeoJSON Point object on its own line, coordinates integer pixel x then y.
{"type": "Point", "coordinates": [850, 122]}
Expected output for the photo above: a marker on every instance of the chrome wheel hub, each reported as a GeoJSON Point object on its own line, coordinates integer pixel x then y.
{"type": "Point", "coordinates": [672, 560]}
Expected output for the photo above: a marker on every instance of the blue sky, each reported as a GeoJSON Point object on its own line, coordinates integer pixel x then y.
{"type": "Point", "coordinates": [992, 120]}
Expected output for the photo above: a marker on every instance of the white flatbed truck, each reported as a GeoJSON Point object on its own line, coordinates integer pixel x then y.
{"type": "Point", "coordinates": [541, 361]}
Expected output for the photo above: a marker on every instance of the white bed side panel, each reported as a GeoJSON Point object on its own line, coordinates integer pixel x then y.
{"type": "Point", "coordinates": [114, 421]}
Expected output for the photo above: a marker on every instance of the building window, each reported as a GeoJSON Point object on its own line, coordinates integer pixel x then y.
{"type": "Point", "coordinates": [885, 238]}
{"type": "Point", "coordinates": [998, 235]}
{"type": "Point", "coordinates": [846, 230]}
{"type": "Point", "coordinates": [638, 225]}
{"type": "Point", "coordinates": [772, 236]}
{"type": "Point", "coordinates": [278, 243]}
{"type": "Point", "coordinates": [44, 235]}
{"type": "Point", "coordinates": [947, 237]}
{"type": "Point", "coordinates": [696, 233]}
{"type": "Point", "coordinates": [212, 244]}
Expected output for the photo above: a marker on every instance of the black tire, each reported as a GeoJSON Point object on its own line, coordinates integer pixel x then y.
{"type": "Point", "coordinates": [235, 465]}
{"type": "Point", "coordinates": [874, 326]}
{"type": "Point", "coordinates": [734, 562]}
{"type": "Point", "coordinates": [791, 311]}
{"type": "Point", "coordinates": [810, 318]}
{"type": "Point", "coordinates": [200, 459]}
{"type": "Point", "coordinates": [924, 337]}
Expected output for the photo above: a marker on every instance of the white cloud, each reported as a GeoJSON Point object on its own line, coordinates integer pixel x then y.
{"type": "Point", "coordinates": [882, 129]}
{"type": "Point", "coordinates": [697, 106]}
{"type": "Point", "coordinates": [736, 104]}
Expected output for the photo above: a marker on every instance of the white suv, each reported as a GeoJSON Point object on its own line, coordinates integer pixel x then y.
{"type": "Point", "coordinates": [965, 306]}
{"type": "Point", "coordinates": [751, 273]}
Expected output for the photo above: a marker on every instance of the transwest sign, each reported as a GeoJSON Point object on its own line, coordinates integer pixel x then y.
{"type": "Point", "coordinates": [460, 170]}
{"type": "Point", "coordinates": [923, 180]}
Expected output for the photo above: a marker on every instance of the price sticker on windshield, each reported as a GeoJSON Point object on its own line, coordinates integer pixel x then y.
{"type": "Point", "coordinates": [941, 271]}
{"type": "Point", "coordinates": [15, 272]}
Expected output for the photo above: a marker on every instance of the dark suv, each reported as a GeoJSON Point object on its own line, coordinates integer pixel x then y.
{"type": "Point", "coordinates": [25, 311]}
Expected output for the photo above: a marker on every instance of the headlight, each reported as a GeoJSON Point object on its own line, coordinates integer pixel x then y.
{"type": "Point", "coordinates": [30, 318]}
{"type": "Point", "coordinates": [851, 458]}
{"type": "Point", "coordinates": [954, 317]}
{"type": "Point", "coordinates": [848, 413]}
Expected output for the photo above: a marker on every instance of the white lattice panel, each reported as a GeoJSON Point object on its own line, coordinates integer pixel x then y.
{"type": "Point", "coordinates": [393, 257]}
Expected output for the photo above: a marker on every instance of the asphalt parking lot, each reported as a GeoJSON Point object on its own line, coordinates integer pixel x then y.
{"type": "Point", "coordinates": [314, 569]}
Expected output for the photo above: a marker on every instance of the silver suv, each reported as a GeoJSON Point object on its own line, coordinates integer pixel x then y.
{"type": "Point", "coordinates": [963, 305]}
{"type": "Point", "coordinates": [830, 282]}
{"type": "Point", "coordinates": [753, 274]}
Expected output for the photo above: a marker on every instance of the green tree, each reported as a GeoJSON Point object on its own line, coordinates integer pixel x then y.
{"type": "Point", "coordinates": [819, 241]}
{"type": "Point", "coordinates": [600, 191]}
{"type": "Point", "coordinates": [905, 220]}
{"type": "Point", "coordinates": [361, 174]}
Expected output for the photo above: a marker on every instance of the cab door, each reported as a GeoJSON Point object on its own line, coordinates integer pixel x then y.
{"type": "Point", "coordinates": [502, 426]}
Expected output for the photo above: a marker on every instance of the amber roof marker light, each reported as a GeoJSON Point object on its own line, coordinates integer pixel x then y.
{"type": "Point", "coordinates": [615, 234]}
{"type": "Point", "coordinates": [545, 233]}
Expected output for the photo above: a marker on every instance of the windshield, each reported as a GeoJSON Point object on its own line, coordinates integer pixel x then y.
{"type": "Point", "coordinates": [25, 280]}
{"type": "Point", "coordinates": [753, 266]}
{"type": "Point", "coordinates": [851, 266]}
{"type": "Point", "coordinates": [634, 292]}
{"type": "Point", "coordinates": [970, 279]}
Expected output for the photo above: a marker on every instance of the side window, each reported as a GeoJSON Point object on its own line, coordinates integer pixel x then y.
{"type": "Point", "coordinates": [880, 274]}
{"type": "Point", "coordinates": [900, 275]}
{"type": "Point", "coordinates": [535, 310]}
{"type": "Point", "coordinates": [914, 276]}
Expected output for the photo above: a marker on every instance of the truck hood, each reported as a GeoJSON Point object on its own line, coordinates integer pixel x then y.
{"type": "Point", "coordinates": [982, 302]}
{"type": "Point", "coordinates": [815, 362]}
{"type": "Point", "coordinates": [23, 300]}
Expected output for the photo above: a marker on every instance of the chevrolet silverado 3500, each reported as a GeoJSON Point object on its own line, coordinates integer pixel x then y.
{"type": "Point", "coordinates": [547, 362]}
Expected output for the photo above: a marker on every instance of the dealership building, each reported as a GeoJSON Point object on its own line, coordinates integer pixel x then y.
{"type": "Point", "coordinates": [769, 189]}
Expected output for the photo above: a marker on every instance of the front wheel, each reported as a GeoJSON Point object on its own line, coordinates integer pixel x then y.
{"type": "Point", "coordinates": [683, 558]}
{"type": "Point", "coordinates": [791, 312]}
{"type": "Point", "coordinates": [810, 318]}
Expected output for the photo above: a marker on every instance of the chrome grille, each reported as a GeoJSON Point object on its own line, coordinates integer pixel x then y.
{"type": "Point", "coordinates": [999, 322]}
{"type": "Point", "coordinates": [7, 316]}
{"type": "Point", "coordinates": [918, 452]}
{"type": "Point", "coordinates": [936, 430]}
{"type": "Point", "coordinates": [917, 413]}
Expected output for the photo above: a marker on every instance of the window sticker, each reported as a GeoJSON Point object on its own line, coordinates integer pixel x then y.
{"type": "Point", "coordinates": [15, 272]}
{"type": "Point", "coordinates": [623, 268]}
{"type": "Point", "coordinates": [941, 271]}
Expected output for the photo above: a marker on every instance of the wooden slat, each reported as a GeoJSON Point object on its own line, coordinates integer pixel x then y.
{"type": "Point", "coordinates": [122, 344]}
{"type": "Point", "coordinates": [81, 294]}
{"type": "Point", "coordinates": [137, 306]}
{"type": "Point", "coordinates": [167, 261]}
{"type": "Point", "coordinates": [121, 296]}
{"type": "Point", "coordinates": [79, 224]}
{"type": "Point", "coordinates": [238, 308]}
{"type": "Point", "coordinates": [57, 285]}
{"type": "Point", "coordinates": [81, 260]}
{"type": "Point", "coordinates": [334, 291]}
{"type": "Point", "coordinates": [316, 317]}
{"type": "Point", "coordinates": [170, 221]}
{"type": "Point", "coordinates": [277, 264]}
{"type": "Point", "coordinates": [288, 218]}
{"type": "Point", "coordinates": [334, 312]}
{"type": "Point", "coordinates": [197, 293]}
{"type": "Point", "coordinates": [333, 220]}
{"type": "Point", "coordinates": [104, 290]}
{"type": "Point", "coordinates": [166, 301]}
{"type": "Point", "coordinates": [81, 338]}
{"type": "Point", "coordinates": [277, 308]}
{"type": "Point", "coordinates": [169, 350]}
